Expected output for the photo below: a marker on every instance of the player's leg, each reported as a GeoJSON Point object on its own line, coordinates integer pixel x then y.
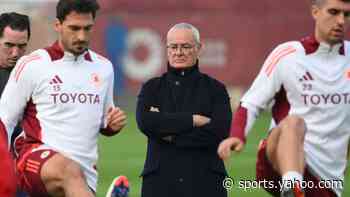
{"type": "Point", "coordinates": [285, 145]}
{"type": "Point", "coordinates": [48, 173]}
{"type": "Point", "coordinates": [64, 177]}
{"type": "Point", "coordinates": [285, 150]}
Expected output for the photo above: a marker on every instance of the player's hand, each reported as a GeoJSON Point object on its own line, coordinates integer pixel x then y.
{"type": "Point", "coordinates": [116, 119]}
{"type": "Point", "coordinates": [199, 120]}
{"type": "Point", "coordinates": [228, 145]}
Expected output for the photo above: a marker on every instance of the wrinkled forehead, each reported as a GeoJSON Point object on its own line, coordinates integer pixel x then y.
{"type": "Point", "coordinates": [180, 36]}
{"type": "Point", "coordinates": [14, 36]}
{"type": "Point", "coordinates": [335, 4]}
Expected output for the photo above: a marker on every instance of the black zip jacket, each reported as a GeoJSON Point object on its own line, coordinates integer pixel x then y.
{"type": "Point", "coordinates": [164, 114]}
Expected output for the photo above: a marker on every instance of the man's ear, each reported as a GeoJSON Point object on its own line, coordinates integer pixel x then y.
{"type": "Point", "coordinates": [314, 11]}
{"type": "Point", "coordinates": [200, 48]}
{"type": "Point", "coordinates": [57, 25]}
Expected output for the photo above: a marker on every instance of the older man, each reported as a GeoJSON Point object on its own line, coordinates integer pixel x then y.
{"type": "Point", "coordinates": [185, 114]}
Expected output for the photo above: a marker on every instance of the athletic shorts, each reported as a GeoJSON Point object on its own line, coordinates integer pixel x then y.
{"type": "Point", "coordinates": [29, 162]}
{"type": "Point", "coordinates": [265, 172]}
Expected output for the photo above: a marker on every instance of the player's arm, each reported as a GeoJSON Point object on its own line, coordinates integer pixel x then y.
{"type": "Point", "coordinates": [152, 121]}
{"type": "Point", "coordinates": [211, 134]}
{"type": "Point", "coordinates": [114, 118]}
{"type": "Point", "coordinates": [17, 94]}
{"type": "Point", "coordinates": [261, 93]}
{"type": "Point", "coordinates": [115, 121]}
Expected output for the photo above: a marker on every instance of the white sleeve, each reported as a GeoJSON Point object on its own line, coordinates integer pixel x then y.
{"type": "Point", "coordinates": [17, 93]}
{"type": "Point", "coordinates": [109, 100]}
{"type": "Point", "coordinates": [268, 82]}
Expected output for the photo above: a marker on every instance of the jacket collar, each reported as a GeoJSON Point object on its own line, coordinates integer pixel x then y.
{"type": "Point", "coordinates": [183, 72]}
{"type": "Point", "coordinates": [56, 53]}
{"type": "Point", "coordinates": [311, 45]}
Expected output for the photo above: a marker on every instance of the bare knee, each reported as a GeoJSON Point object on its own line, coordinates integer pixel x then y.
{"type": "Point", "coordinates": [290, 127]}
{"type": "Point", "coordinates": [294, 126]}
{"type": "Point", "coordinates": [72, 170]}
{"type": "Point", "coordinates": [59, 172]}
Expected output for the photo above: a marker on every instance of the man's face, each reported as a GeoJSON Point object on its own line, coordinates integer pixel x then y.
{"type": "Point", "coordinates": [332, 20]}
{"type": "Point", "coordinates": [75, 32]}
{"type": "Point", "coordinates": [13, 45]}
{"type": "Point", "coordinates": [183, 50]}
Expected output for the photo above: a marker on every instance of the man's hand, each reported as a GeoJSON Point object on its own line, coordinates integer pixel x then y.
{"type": "Point", "coordinates": [228, 145]}
{"type": "Point", "coordinates": [116, 119]}
{"type": "Point", "coordinates": [199, 120]}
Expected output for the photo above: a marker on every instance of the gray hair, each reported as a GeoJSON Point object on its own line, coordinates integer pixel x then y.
{"type": "Point", "coordinates": [194, 30]}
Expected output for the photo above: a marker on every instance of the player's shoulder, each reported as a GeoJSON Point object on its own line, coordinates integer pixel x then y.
{"type": "Point", "coordinates": [289, 47]}
{"type": "Point", "coordinates": [99, 59]}
{"type": "Point", "coordinates": [30, 65]}
{"type": "Point", "coordinates": [284, 53]}
{"type": "Point", "coordinates": [32, 60]}
{"type": "Point", "coordinates": [289, 50]}
{"type": "Point", "coordinates": [37, 55]}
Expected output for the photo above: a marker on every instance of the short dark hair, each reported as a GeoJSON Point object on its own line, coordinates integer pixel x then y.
{"type": "Point", "coordinates": [320, 2]}
{"type": "Point", "coordinates": [15, 21]}
{"type": "Point", "coordinates": [65, 7]}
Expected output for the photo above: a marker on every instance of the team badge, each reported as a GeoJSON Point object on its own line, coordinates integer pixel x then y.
{"type": "Point", "coordinates": [45, 154]}
{"type": "Point", "coordinates": [347, 74]}
{"type": "Point", "coordinates": [96, 80]}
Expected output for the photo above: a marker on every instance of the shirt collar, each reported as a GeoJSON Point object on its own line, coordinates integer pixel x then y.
{"type": "Point", "coordinates": [311, 45]}
{"type": "Point", "coordinates": [56, 53]}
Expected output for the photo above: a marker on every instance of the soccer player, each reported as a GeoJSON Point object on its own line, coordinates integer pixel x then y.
{"type": "Point", "coordinates": [308, 82]}
{"type": "Point", "coordinates": [64, 96]}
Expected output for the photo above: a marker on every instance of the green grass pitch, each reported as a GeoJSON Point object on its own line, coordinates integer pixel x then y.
{"type": "Point", "coordinates": [125, 153]}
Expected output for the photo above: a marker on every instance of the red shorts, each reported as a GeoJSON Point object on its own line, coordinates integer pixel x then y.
{"type": "Point", "coordinates": [265, 171]}
{"type": "Point", "coordinates": [29, 164]}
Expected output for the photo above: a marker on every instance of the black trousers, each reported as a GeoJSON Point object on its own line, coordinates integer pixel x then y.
{"type": "Point", "coordinates": [176, 184]}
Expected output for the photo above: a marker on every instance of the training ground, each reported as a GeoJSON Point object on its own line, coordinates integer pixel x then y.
{"type": "Point", "coordinates": [125, 154]}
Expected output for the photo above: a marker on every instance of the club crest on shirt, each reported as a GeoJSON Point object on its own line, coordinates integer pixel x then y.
{"type": "Point", "coordinates": [45, 154]}
{"type": "Point", "coordinates": [347, 74]}
{"type": "Point", "coordinates": [96, 80]}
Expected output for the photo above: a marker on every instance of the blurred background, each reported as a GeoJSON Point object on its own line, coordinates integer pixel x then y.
{"type": "Point", "coordinates": [237, 37]}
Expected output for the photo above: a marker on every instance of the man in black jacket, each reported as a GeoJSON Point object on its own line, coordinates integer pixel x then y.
{"type": "Point", "coordinates": [14, 38]}
{"type": "Point", "coordinates": [185, 114]}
